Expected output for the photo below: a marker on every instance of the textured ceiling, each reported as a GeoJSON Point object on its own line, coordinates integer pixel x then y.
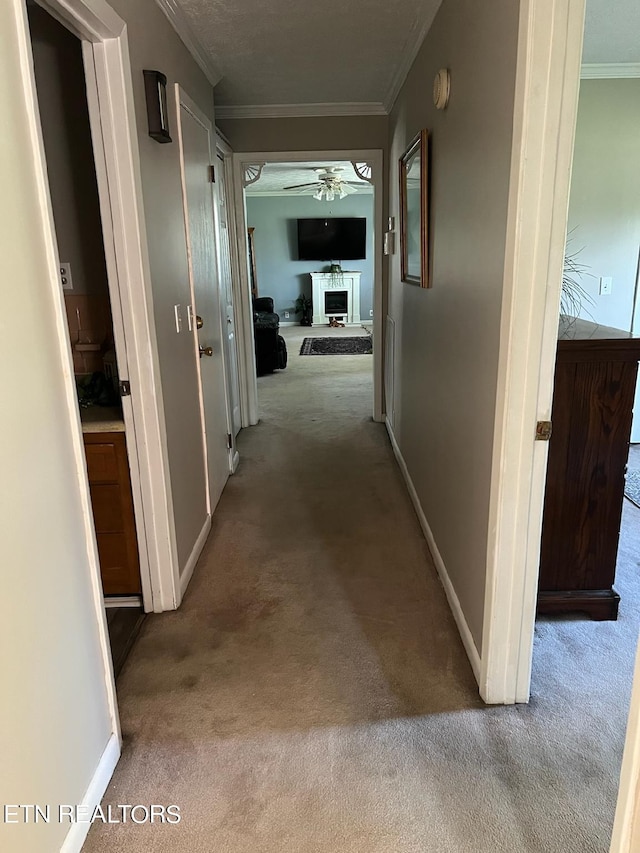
{"type": "Point", "coordinates": [276, 176]}
{"type": "Point", "coordinates": [612, 31]}
{"type": "Point", "coordinates": [297, 52]}
{"type": "Point", "coordinates": [292, 52]}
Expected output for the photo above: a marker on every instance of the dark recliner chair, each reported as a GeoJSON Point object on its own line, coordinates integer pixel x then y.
{"type": "Point", "coordinates": [271, 349]}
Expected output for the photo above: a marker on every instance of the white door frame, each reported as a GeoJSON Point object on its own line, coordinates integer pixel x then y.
{"type": "Point", "coordinates": [244, 326]}
{"type": "Point", "coordinates": [546, 98]}
{"type": "Point", "coordinates": [547, 87]}
{"type": "Point", "coordinates": [113, 129]}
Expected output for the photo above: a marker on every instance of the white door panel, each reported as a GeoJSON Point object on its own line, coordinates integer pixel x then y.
{"type": "Point", "coordinates": [200, 218]}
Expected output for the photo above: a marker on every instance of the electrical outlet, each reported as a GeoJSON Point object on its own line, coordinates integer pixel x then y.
{"type": "Point", "coordinates": [286, 315]}
{"type": "Point", "coordinates": [65, 275]}
{"type": "Point", "coordinates": [606, 285]}
{"type": "Point", "coordinates": [371, 312]}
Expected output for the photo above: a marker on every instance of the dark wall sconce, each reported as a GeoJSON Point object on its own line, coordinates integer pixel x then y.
{"type": "Point", "coordinates": [155, 87]}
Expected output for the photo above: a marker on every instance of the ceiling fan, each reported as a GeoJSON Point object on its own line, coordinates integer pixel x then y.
{"type": "Point", "coordinates": [329, 184]}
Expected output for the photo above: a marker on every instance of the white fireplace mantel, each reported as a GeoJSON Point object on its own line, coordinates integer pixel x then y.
{"type": "Point", "coordinates": [347, 282]}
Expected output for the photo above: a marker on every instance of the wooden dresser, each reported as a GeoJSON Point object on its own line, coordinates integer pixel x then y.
{"type": "Point", "coordinates": [595, 380]}
{"type": "Point", "coordinates": [112, 502]}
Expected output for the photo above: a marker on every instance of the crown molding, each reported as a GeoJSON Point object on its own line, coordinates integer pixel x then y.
{"type": "Point", "coordinates": [413, 44]}
{"type": "Point", "coordinates": [181, 25]}
{"type": "Point", "coordinates": [609, 70]}
{"type": "Point", "coordinates": [299, 110]}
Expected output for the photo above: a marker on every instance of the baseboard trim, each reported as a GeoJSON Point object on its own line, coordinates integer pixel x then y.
{"type": "Point", "coordinates": [235, 461]}
{"type": "Point", "coordinates": [93, 796]}
{"type": "Point", "coordinates": [452, 598]}
{"type": "Point", "coordinates": [187, 572]}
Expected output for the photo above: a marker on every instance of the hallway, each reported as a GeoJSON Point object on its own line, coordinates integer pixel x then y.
{"type": "Point", "coordinates": [312, 694]}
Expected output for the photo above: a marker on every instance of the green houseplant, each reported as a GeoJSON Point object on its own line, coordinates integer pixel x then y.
{"type": "Point", "coordinates": [303, 305]}
{"type": "Point", "coordinates": [574, 297]}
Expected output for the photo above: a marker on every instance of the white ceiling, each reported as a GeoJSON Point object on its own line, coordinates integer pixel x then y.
{"type": "Point", "coordinates": [301, 52]}
{"type": "Point", "coordinates": [341, 56]}
{"type": "Point", "coordinates": [276, 176]}
{"type": "Point", "coordinates": [612, 31]}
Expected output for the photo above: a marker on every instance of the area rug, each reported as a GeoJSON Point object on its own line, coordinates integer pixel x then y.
{"type": "Point", "coordinates": [632, 486]}
{"type": "Point", "coordinates": [336, 346]}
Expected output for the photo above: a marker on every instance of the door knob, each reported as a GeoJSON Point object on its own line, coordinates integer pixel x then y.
{"type": "Point", "coordinates": [199, 322]}
{"type": "Point", "coordinates": [206, 351]}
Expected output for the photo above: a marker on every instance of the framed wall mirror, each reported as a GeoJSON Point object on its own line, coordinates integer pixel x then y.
{"type": "Point", "coordinates": [414, 211]}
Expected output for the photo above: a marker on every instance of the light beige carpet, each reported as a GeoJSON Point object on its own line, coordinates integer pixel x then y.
{"type": "Point", "coordinates": [312, 695]}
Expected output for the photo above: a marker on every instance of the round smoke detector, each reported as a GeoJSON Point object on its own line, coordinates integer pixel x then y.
{"type": "Point", "coordinates": [441, 88]}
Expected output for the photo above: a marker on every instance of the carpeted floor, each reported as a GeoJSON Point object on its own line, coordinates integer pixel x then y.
{"type": "Point", "coordinates": [312, 695]}
{"type": "Point", "coordinates": [632, 486]}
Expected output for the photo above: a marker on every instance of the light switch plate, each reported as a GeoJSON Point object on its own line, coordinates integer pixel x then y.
{"type": "Point", "coordinates": [64, 272]}
{"type": "Point", "coordinates": [606, 285]}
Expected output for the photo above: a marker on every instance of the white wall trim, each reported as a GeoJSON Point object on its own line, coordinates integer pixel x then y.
{"type": "Point", "coordinates": [546, 99]}
{"type": "Point", "coordinates": [245, 328]}
{"type": "Point", "coordinates": [191, 563]}
{"type": "Point", "coordinates": [93, 795]}
{"type": "Point", "coordinates": [190, 40]}
{"type": "Point", "coordinates": [300, 110]}
{"type": "Point", "coordinates": [417, 35]}
{"type": "Point", "coordinates": [113, 111]}
{"type": "Point", "coordinates": [609, 70]}
{"type": "Point", "coordinates": [452, 598]}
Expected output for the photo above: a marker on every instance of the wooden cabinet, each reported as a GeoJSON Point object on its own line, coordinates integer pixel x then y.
{"type": "Point", "coordinates": [595, 379]}
{"type": "Point", "coordinates": [112, 502]}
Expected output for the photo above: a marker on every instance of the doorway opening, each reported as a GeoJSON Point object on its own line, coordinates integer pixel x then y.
{"type": "Point", "coordinates": [313, 225]}
{"type": "Point", "coordinates": [84, 279]}
{"type": "Point", "coordinates": [588, 592]}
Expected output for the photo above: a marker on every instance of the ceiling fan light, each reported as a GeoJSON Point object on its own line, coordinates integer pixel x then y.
{"type": "Point", "coordinates": [343, 192]}
{"type": "Point", "coordinates": [330, 194]}
{"type": "Point", "coordinates": [318, 194]}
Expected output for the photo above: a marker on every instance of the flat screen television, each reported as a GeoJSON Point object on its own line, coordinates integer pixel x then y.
{"type": "Point", "coordinates": [332, 239]}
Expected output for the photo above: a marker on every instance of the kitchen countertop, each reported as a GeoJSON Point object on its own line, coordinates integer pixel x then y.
{"type": "Point", "coordinates": [102, 419]}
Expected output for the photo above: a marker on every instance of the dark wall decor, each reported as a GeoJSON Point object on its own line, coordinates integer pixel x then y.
{"type": "Point", "coordinates": [414, 211]}
{"type": "Point", "coordinates": [155, 87]}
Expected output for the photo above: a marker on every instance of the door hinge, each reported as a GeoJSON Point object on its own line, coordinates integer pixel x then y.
{"type": "Point", "coordinates": [125, 388]}
{"type": "Point", "coordinates": [543, 430]}
{"type": "Point", "coordinates": [229, 441]}
{"type": "Point", "coordinates": [212, 174]}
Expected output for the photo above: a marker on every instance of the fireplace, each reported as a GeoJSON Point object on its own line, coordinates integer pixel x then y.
{"type": "Point", "coordinates": [336, 296]}
{"type": "Point", "coordinates": [336, 302]}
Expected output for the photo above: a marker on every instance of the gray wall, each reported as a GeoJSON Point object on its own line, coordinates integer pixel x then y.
{"type": "Point", "coordinates": [282, 277]}
{"type": "Point", "coordinates": [306, 134]}
{"type": "Point", "coordinates": [448, 337]}
{"type": "Point", "coordinates": [604, 208]}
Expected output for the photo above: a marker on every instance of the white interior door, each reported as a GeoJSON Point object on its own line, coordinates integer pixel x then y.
{"type": "Point", "coordinates": [226, 293]}
{"type": "Point", "coordinates": [195, 150]}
